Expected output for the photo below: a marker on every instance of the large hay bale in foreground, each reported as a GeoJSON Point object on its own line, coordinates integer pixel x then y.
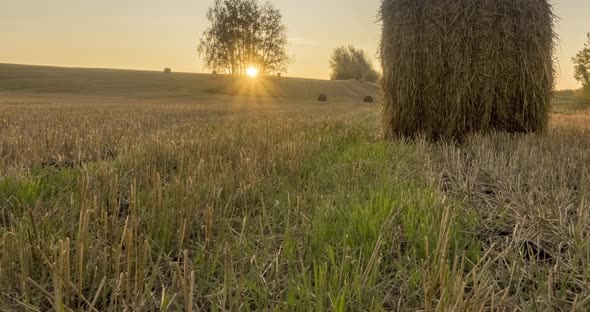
{"type": "Point", "coordinates": [452, 67]}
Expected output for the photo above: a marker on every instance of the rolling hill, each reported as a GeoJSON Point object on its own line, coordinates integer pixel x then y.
{"type": "Point", "coordinates": [40, 80]}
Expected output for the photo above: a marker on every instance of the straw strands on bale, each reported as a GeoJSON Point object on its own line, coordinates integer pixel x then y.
{"type": "Point", "coordinates": [453, 67]}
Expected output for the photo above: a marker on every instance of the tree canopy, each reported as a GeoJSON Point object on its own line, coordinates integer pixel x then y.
{"type": "Point", "coordinates": [243, 34]}
{"type": "Point", "coordinates": [351, 63]}
{"type": "Point", "coordinates": [582, 63]}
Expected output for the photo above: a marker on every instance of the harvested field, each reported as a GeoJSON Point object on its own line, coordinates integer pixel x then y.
{"type": "Point", "coordinates": [207, 202]}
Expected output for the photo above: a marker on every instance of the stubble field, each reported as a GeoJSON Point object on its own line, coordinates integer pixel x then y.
{"type": "Point", "coordinates": [145, 193]}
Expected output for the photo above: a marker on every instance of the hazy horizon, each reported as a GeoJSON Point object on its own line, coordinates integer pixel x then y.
{"type": "Point", "coordinates": [151, 35]}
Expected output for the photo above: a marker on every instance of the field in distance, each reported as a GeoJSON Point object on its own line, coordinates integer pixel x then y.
{"type": "Point", "coordinates": [180, 87]}
{"type": "Point", "coordinates": [127, 190]}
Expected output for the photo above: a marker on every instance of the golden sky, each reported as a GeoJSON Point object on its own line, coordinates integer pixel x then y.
{"type": "Point", "coordinates": [153, 34]}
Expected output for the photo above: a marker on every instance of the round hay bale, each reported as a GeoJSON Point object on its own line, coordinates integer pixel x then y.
{"type": "Point", "coordinates": [167, 70]}
{"type": "Point", "coordinates": [368, 99]}
{"type": "Point", "coordinates": [323, 97]}
{"type": "Point", "coordinates": [455, 67]}
{"type": "Point", "coordinates": [279, 75]}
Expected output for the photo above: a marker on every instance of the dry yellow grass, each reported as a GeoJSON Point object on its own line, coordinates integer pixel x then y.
{"type": "Point", "coordinates": [455, 67]}
{"type": "Point", "coordinates": [114, 202]}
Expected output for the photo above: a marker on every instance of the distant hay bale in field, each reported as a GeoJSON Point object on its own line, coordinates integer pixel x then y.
{"type": "Point", "coordinates": [455, 67]}
{"type": "Point", "coordinates": [167, 70]}
{"type": "Point", "coordinates": [279, 75]}
{"type": "Point", "coordinates": [322, 97]}
{"type": "Point", "coordinates": [214, 72]}
{"type": "Point", "coordinates": [368, 99]}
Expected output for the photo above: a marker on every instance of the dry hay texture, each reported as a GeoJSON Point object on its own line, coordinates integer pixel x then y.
{"type": "Point", "coordinates": [453, 67]}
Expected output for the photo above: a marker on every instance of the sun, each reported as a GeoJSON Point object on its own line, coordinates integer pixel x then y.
{"type": "Point", "coordinates": [252, 72]}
